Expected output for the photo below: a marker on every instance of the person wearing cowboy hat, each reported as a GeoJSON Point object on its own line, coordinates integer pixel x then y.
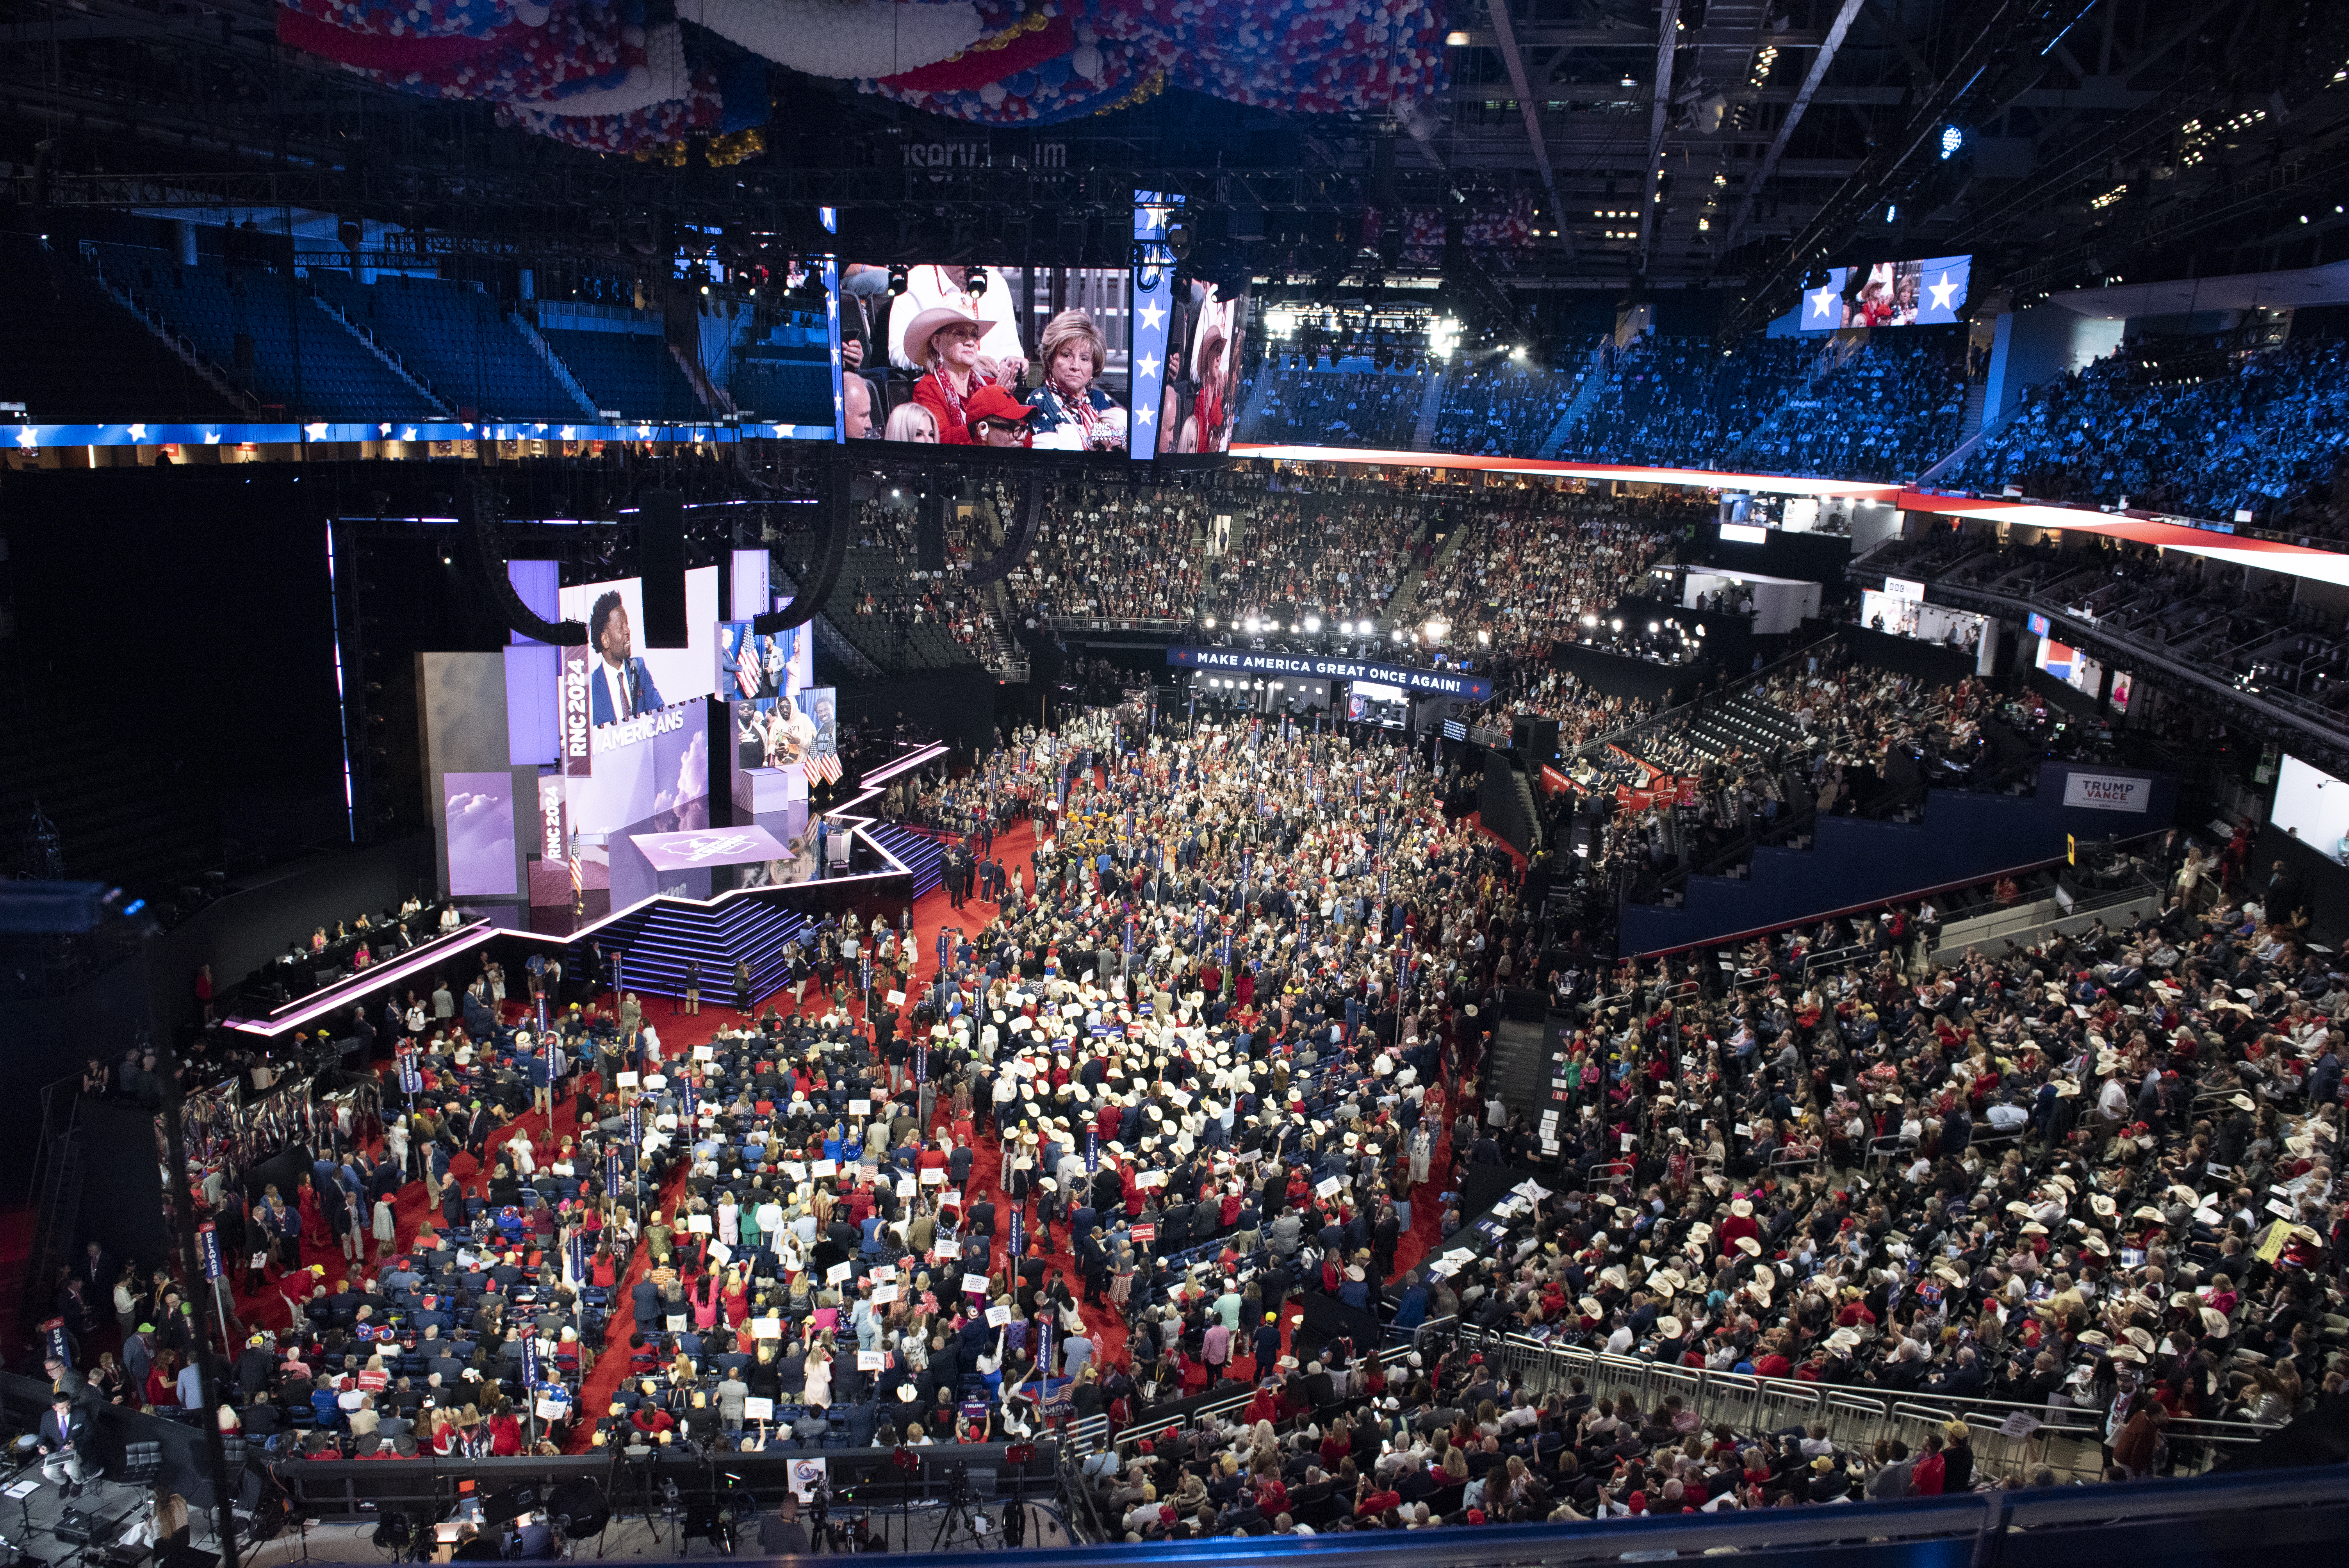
{"type": "Point", "coordinates": [944, 343]}
{"type": "Point", "coordinates": [994, 308]}
{"type": "Point", "coordinates": [1203, 426]}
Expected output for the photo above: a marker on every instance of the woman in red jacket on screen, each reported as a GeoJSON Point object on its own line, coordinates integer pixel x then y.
{"type": "Point", "coordinates": [944, 340]}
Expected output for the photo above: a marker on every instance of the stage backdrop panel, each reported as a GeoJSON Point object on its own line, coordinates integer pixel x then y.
{"type": "Point", "coordinates": [464, 714]}
{"type": "Point", "coordinates": [477, 823]}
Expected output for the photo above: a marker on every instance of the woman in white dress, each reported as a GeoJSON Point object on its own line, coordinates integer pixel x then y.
{"type": "Point", "coordinates": [818, 1390]}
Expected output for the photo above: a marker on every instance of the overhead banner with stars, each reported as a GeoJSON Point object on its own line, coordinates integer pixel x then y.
{"type": "Point", "coordinates": [1930, 292]}
{"type": "Point", "coordinates": [1154, 302]}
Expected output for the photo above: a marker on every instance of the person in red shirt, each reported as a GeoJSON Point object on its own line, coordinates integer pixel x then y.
{"type": "Point", "coordinates": [944, 340]}
{"type": "Point", "coordinates": [1740, 1222]}
{"type": "Point", "coordinates": [1926, 1475]}
{"type": "Point", "coordinates": [1262, 1406]}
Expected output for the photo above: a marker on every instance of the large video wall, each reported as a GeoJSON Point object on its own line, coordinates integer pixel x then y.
{"type": "Point", "coordinates": [646, 719]}
{"type": "Point", "coordinates": [1140, 359]}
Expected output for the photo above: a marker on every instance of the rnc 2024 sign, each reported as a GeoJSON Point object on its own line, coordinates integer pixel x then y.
{"type": "Point", "coordinates": [2106, 792]}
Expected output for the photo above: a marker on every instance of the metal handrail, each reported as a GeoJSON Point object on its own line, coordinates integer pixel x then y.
{"type": "Point", "coordinates": [1701, 1386]}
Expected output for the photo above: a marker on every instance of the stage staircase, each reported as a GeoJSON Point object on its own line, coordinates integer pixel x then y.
{"type": "Point", "coordinates": [658, 938]}
{"type": "Point", "coordinates": [1431, 403]}
{"type": "Point", "coordinates": [922, 851]}
{"type": "Point", "coordinates": [1593, 381]}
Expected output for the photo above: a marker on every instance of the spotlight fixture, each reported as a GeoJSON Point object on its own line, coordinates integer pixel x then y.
{"type": "Point", "coordinates": [974, 280]}
{"type": "Point", "coordinates": [1312, 623]}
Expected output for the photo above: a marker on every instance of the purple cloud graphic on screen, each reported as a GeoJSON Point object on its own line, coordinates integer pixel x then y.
{"type": "Point", "coordinates": [480, 809]}
{"type": "Point", "coordinates": [681, 769]}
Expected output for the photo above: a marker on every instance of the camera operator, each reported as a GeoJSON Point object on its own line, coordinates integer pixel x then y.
{"type": "Point", "coordinates": [780, 1533]}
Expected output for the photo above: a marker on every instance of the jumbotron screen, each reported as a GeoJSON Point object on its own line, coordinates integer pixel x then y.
{"type": "Point", "coordinates": [1930, 292]}
{"type": "Point", "coordinates": [996, 356]}
{"type": "Point", "coordinates": [1140, 359]}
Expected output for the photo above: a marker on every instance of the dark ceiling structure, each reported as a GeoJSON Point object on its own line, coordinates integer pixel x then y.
{"type": "Point", "coordinates": [1617, 145]}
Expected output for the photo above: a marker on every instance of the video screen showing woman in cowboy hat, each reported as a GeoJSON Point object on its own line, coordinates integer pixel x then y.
{"type": "Point", "coordinates": [1198, 413]}
{"type": "Point", "coordinates": [1055, 339]}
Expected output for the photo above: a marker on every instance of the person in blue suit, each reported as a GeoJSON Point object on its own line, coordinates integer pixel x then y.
{"type": "Point", "coordinates": [621, 687]}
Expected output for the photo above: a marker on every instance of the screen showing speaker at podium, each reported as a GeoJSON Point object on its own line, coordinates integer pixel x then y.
{"type": "Point", "coordinates": [647, 713]}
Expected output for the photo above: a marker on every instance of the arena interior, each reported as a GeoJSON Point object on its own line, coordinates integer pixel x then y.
{"type": "Point", "coordinates": [1603, 814]}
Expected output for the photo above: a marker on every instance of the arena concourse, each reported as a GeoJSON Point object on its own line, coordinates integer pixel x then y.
{"type": "Point", "coordinates": [1136, 803]}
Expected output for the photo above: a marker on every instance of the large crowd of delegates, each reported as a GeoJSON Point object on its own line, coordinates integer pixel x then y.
{"type": "Point", "coordinates": [1288, 402]}
{"type": "Point", "coordinates": [1303, 553]}
{"type": "Point", "coordinates": [1537, 560]}
{"type": "Point", "coordinates": [2094, 1179]}
{"type": "Point", "coordinates": [1211, 1054]}
{"type": "Point", "coordinates": [1119, 552]}
{"type": "Point", "coordinates": [1680, 402]}
{"type": "Point", "coordinates": [1252, 1067]}
{"type": "Point", "coordinates": [1505, 408]}
{"type": "Point", "coordinates": [1887, 410]}
{"type": "Point", "coordinates": [1123, 552]}
{"type": "Point", "coordinates": [2261, 432]}
{"type": "Point", "coordinates": [417, 1342]}
{"type": "Point", "coordinates": [1892, 410]}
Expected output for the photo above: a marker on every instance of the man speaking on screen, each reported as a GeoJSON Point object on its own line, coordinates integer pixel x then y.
{"type": "Point", "coordinates": [622, 687]}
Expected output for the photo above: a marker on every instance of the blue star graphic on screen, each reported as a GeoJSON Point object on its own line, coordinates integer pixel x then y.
{"type": "Point", "coordinates": [1944, 295]}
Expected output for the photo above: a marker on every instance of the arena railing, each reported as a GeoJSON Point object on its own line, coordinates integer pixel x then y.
{"type": "Point", "coordinates": [2285, 1519]}
{"type": "Point", "coordinates": [1730, 940]}
{"type": "Point", "coordinates": [1093, 1434]}
{"type": "Point", "coordinates": [2288, 708]}
{"type": "Point", "coordinates": [2092, 512]}
{"type": "Point", "coordinates": [1856, 1416]}
{"type": "Point", "coordinates": [355, 1490]}
{"type": "Point", "coordinates": [1156, 625]}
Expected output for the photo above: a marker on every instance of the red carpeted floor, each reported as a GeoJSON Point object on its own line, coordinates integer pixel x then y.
{"type": "Point", "coordinates": [1106, 1329]}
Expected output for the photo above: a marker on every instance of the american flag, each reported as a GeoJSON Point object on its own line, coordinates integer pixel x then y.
{"type": "Point", "coordinates": [825, 768]}
{"type": "Point", "coordinates": [577, 882]}
{"type": "Point", "coordinates": [747, 668]}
